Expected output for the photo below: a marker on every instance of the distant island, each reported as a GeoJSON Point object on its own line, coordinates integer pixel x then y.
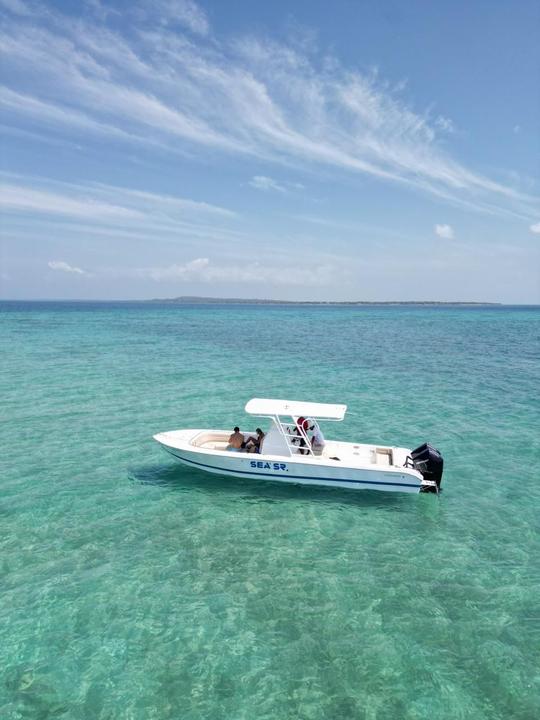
{"type": "Point", "coordinates": [195, 300]}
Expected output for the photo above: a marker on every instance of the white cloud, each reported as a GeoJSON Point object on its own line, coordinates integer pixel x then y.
{"type": "Point", "coordinates": [535, 228]}
{"type": "Point", "coordinates": [195, 269]}
{"type": "Point", "coordinates": [202, 270]}
{"type": "Point", "coordinates": [261, 182]}
{"type": "Point", "coordinates": [64, 267]}
{"type": "Point", "coordinates": [265, 183]}
{"type": "Point", "coordinates": [444, 231]}
{"type": "Point", "coordinates": [258, 98]}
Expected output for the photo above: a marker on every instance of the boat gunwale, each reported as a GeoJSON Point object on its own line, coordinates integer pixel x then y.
{"type": "Point", "coordinates": [305, 460]}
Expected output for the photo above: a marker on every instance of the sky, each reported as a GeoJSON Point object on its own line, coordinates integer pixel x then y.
{"type": "Point", "coordinates": [302, 150]}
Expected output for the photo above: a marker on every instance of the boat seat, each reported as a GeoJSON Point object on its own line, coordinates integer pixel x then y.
{"type": "Point", "coordinates": [209, 440]}
{"type": "Point", "coordinates": [213, 445]}
{"type": "Point", "coordinates": [382, 456]}
{"type": "Point", "coordinates": [221, 445]}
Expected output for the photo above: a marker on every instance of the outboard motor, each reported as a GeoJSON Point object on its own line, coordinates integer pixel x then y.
{"type": "Point", "coordinates": [429, 462]}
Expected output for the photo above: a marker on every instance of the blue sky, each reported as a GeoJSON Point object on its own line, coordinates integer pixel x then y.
{"type": "Point", "coordinates": [297, 150]}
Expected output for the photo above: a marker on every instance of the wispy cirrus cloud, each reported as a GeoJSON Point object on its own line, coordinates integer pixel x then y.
{"type": "Point", "coordinates": [17, 198]}
{"type": "Point", "coordinates": [535, 228]}
{"type": "Point", "coordinates": [151, 84]}
{"type": "Point", "coordinates": [177, 205]}
{"type": "Point", "coordinates": [97, 212]}
{"type": "Point", "coordinates": [102, 203]}
{"type": "Point", "coordinates": [50, 114]}
{"type": "Point", "coordinates": [178, 12]}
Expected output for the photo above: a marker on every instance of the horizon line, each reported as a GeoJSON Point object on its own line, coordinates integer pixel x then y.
{"type": "Point", "coordinates": [186, 299]}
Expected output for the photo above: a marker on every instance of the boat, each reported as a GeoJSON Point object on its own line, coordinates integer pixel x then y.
{"type": "Point", "coordinates": [293, 450]}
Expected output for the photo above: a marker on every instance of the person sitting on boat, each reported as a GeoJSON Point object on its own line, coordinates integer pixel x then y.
{"type": "Point", "coordinates": [253, 444]}
{"type": "Point", "coordinates": [236, 441]}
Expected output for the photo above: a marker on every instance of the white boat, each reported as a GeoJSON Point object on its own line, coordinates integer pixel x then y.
{"type": "Point", "coordinates": [288, 452]}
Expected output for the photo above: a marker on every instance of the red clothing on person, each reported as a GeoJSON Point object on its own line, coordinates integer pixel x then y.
{"type": "Point", "coordinates": [302, 424]}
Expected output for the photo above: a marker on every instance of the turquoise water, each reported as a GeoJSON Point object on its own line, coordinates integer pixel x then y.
{"type": "Point", "coordinates": [133, 588]}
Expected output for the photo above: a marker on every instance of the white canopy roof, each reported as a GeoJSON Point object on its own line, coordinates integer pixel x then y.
{"type": "Point", "coordinates": [295, 408]}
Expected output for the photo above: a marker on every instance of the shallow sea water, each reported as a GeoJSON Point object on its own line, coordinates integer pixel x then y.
{"type": "Point", "coordinates": [132, 587]}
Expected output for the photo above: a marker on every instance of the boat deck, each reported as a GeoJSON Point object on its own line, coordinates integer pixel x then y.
{"type": "Point", "coordinates": [350, 453]}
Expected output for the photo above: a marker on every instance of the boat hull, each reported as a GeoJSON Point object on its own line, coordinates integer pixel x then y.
{"type": "Point", "coordinates": [300, 470]}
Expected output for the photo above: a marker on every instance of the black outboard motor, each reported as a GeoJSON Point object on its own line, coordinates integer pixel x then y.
{"type": "Point", "coordinates": [429, 462]}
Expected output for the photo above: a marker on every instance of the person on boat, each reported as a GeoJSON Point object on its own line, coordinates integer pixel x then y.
{"type": "Point", "coordinates": [253, 444]}
{"type": "Point", "coordinates": [302, 423]}
{"type": "Point", "coordinates": [302, 426]}
{"type": "Point", "coordinates": [236, 441]}
{"type": "Point", "coordinates": [317, 440]}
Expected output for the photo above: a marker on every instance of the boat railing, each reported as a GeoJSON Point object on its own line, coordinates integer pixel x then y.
{"type": "Point", "coordinates": [294, 434]}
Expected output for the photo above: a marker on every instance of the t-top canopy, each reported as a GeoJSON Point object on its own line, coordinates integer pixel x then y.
{"type": "Point", "coordinates": [295, 408]}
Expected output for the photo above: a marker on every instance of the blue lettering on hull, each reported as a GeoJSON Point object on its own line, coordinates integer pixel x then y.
{"type": "Point", "coordinates": [280, 467]}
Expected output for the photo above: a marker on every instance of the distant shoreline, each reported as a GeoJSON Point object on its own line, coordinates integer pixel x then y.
{"type": "Point", "coordinates": [194, 300]}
